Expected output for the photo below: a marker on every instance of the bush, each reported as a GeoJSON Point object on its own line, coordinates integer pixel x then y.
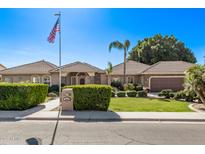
{"type": "Point", "coordinates": [141, 94]}
{"type": "Point", "coordinates": [18, 96]}
{"type": "Point", "coordinates": [121, 94]}
{"type": "Point", "coordinates": [113, 94]}
{"type": "Point", "coordinates": [55, 88]}
{"type": "Point", "coordinates": [129, 86]}
{"type": "Point", "coordinates": [131, 93]}
{"type": "Point", "coordinates": [139, 88]}
{"type": "Point", "coordinates": [91, 97]}
{"type": "Point", "coordinates": [117, 84]}
{"type": "Point", "coordinates": [189, 96]}
{"type": "Point", "coordinates": [167, 93]}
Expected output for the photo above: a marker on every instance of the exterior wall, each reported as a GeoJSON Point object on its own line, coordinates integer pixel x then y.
{"type": "Point", "coordinates": [137, 78]}
{"type": "Point", "coordinates": [22, 78]}
{"type": "Point", "coordinates": [146, 78]}
{"type": "Point", "coordinates": [97, 79]}
{"type": "Point", "coordinates": [54, 78]}
{"type": "Point", "coordinates": [103, 79]}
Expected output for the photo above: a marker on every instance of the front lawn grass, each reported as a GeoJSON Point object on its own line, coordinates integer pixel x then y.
{"type": "Point", "coordinates": [148, 105]}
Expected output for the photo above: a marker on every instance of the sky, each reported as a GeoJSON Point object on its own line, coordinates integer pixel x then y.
{"type": "Point", "coordinates": [86, 33]}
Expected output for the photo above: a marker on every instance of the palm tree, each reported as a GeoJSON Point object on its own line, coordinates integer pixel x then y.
{"type": "Point", "coordinates": [121, 46]}
{"type": "Point", "coordinates": [195, 80]}
{"type": "Point", "coordinates": [109, 71]}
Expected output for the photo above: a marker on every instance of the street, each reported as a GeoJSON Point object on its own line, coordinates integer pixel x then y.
{"type": "Point", "coordinates": [150, 133]}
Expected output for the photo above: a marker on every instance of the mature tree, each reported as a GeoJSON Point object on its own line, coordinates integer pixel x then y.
{"type": "Point", "coordinates": [159, 48]}
{"type": "Point", "coordinates": [109, 71]}
{"type": "Point", "coordinates": [195, 80]}
{"type": "Point", "coordinates": [121, 46]}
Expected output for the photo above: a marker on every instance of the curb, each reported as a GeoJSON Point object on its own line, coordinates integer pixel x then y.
{"type": "Point", "coordinates": [108, 119]}
{"type": "Point", "coordinates": [194, 109]}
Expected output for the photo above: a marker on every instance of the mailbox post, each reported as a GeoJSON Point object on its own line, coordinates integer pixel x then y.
{"type": "Point", "coordinates": [67, 99]}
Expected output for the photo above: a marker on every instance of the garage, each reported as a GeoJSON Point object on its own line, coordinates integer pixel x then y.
{"type": "Point", "coordinates": [159, 83]}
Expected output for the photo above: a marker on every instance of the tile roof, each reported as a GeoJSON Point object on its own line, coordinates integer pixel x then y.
{"type": "Point", "coordinates": [79, 67]}
{"type": "Point", "coordinates": [39, 67]}
{"type": "Point", "coordinates": [132, 68]}
{"type": "Point", "coordinates": [2, 67]}
{"type": "Point", "coordinates": [168, 67]}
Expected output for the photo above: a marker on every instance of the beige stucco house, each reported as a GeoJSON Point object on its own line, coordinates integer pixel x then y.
{"type": "Point", "coordinates": [133, 72]}
{"type": "Point", "coordinates": [37, 72]}
{"type": "Point", "coordinates": [162, 75]}
{"type": "Point", "coordinates": [165, 75]}
{"type": "Point", "coordinates": [79, 73]}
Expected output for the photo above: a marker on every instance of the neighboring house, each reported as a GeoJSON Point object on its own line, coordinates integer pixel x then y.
{"type": "Point", "coordinates": [133, 72]}
{"type": "Point", "coordinates": [79, 73]}
{"type": "Point", "coordinates": [165, 75]}
{"type": "Point", "coordinates": [2, 67]}
{"type": "Point", "coordinates": [162, 75]}
{"type": "Point", "coordinates": [37, 72]}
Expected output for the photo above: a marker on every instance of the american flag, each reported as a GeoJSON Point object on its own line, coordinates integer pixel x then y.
{"type": "Point", "coordinates": [56, 28]}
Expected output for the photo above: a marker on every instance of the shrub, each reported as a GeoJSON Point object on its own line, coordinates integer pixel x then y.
{"type": "Point", "coordinates": [55, 88]}
{"type": "Point", "coordinates": [189, 96]}
{"type": "Point", "coordinates": [18, 96]}
{"type": "Point", "coordinates": [129, 86]}
{"type": "Point", "coordinates": [131, 93]}
{"type": "Point", "coordinates": [167, 93]}
{"type": "Point", "coordinates": [113, 94]}
{"type": "Point", "coordinates": [117, 84]}
{"type": "Point", "coordinates": [139, 88]}
{"type": "Point", "coordinates": [91, 97]}
{"type": "Point", "coordinates": [141, 94]}
{"type": "Point", "coordinates": [121, 94]}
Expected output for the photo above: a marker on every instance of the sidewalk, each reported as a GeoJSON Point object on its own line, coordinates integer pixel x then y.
{"type": "Point", "coordinates": [44, 112]}
{"type": "Point", "coordinates": [117, 116]}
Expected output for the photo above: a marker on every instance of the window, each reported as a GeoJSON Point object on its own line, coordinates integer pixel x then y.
{"type": "Point", "coordinates": [36, 79]}
{"type": "Point", "coordinates": [130, 79]}
{"type": "Point", "coordinates": [8, 79]}
{"type": "Point", "coordinates": [46, 79]}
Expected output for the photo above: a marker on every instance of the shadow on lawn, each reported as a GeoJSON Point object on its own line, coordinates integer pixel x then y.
{"type": "Point", "coordinates": [92, 116]}
{"type": "Point", "coordinates": [160, 99]}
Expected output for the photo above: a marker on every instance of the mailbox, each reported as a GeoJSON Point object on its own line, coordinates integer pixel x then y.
{"type": "Point", "coordinates": [67, 99]}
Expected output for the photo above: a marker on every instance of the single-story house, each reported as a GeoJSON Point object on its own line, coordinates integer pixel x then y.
{"type": "Point", "coordinates": [37, 72]}
{"type": "Point", "coordinates": [133, 72]}
{"type": "Point", "coordinates": [162, 75]}
{"type": "Point", "coordinates": [165, 75]}
{"type": "Point", "coordinates": [79, 73]}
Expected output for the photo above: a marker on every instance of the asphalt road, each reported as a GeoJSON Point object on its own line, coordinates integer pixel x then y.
{"type": "Point", "coordinates": [150, 133]}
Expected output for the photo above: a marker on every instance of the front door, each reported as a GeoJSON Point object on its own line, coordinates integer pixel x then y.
{"type": "Point", "coordinates": [82, 81]}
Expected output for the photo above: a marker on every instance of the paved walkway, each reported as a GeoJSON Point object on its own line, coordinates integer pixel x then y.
{"type": "Point", "coordinates": [46, 112]}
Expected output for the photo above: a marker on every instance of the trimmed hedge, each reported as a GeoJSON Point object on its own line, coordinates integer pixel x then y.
{"type": "Point", "coordinates": [21, 96]}
{"type": "Point", "coordinates": [139, 88]}
{"type": "Point", "coordinates": [167, 93]}
{"type": "Point", "coordinates": [141, 94]}
{"type": "Point", "coordinates": [91, 97]}
{"type": "Point", "coordinates": [121, 94]}
{"type": "Point", "coordinates": [131, 93]}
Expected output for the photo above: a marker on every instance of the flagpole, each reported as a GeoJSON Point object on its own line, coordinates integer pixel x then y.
{"type": "Point", "coordinates": [59, 110]}
{"type": "Point", "coordinates": [60, 57]}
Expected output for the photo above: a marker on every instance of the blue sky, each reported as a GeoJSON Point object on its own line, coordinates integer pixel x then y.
{"type": "Point", "coordinates": [86, 33]}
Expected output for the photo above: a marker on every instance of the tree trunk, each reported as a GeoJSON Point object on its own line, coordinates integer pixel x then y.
{"type": "Point", "coordinates": [201, 96]}
{"type": "Point", "coordinates": [125, 55]}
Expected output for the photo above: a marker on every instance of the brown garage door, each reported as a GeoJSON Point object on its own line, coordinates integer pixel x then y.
{"type": "Point", "coordinates": [158, 84]}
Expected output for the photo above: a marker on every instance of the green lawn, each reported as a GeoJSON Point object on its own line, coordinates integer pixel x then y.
{"type": "Point", "coordinates": [148, 104]}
